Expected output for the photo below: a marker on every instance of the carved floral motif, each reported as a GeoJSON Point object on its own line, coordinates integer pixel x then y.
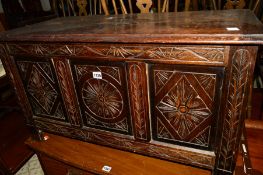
{"type": "Point", "coordinates": [67, 92]}
{"type": "Point", "coordinates": [183, 108]}
{"type": "Point", "coordinates": [102, 99]}
{"type": "Point", "coordinates": [138, 95]}
{"type": "Point", "coordinates": [235, 104]}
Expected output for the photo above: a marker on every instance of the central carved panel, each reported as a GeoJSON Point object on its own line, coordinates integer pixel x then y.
{"type": "Point", "coordinates": [103, 95]}
{"type": "Point", "coordinates": [102, 99]}
{"type": "Point", "coordinates": [183, 106]}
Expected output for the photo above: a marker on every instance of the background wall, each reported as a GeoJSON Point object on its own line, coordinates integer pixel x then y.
{"type": "Point", "coordinates": [45, 5]}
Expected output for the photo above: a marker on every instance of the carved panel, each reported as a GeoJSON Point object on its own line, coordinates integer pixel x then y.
{"type": "Point", "coordinates": [41, 89]}
{"type": "Point", "coordinates": [183, 54]}
{"type": "Point", "coordinates": [234, 106]}
{"type": "Point", "coordinates": [103, 99]}
{"type": "Point", "coordinates": [192, 53]}
{"type": "Point", "coordinates": [139, 100]}
{"type": "Point", "coordinates": [66, 85]}
{"type": "Point", "coordinates": [183, 106]}
{"type": "Point", "coordinates": [203, 159]}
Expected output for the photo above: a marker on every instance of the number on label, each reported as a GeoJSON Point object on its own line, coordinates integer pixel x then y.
{"type": "Point", "coordinates": [97, 75]}
{"type": "Point", "coordinates": [106, 168]}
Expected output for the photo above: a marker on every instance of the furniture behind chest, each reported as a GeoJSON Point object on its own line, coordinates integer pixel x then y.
{"type": "Point", "coordinates": [171, 86]}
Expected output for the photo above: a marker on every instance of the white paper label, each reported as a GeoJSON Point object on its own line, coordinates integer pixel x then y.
{"type": "Point", "coordinates": [106, 168]}
{"type": "Point", "coordinates": [232, 29]}
{"type": "Point", "coordinates": [97, 75]}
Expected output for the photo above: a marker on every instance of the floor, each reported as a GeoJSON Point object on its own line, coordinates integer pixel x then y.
{"type": "Point", "coordinates": [255, 142]}
{"type": "Point", "coordinates": [31, 167]}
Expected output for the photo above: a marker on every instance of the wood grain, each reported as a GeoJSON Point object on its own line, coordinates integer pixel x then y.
{"type": "Point", "coordinates": [146, 28]}
{"type": "Point", "coordinates": [92, 158]}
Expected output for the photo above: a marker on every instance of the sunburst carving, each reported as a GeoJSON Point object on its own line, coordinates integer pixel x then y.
{"type": "Point", "coordinates": [183, 109]}
{"type": "Point", "coordinates": [118, 51]}
{"type": "Point", "coordinates": [102, 99]}
{"type": "Point", "coordinates": [161, 78]}
{"type": "Point", "coordinates": [207, 82]}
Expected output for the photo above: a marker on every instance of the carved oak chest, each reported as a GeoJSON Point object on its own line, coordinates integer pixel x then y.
{"type": "Point", "coordinates": [173, 86]}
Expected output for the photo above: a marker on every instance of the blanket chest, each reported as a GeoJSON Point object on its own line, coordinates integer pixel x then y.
{"type": "Point", "coordinates": [173, 86]}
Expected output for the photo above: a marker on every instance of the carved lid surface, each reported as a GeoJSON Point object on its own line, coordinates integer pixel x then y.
{"type": "Point", "coordinates": [201, 27]}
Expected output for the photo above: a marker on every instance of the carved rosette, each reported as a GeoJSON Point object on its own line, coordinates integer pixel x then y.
{"type": "Point", "coordinates": [182, 54]}
{"type": "Point", "coordinates": [41, 89]}
{"type": "Point", "coordinates": [103, 99]}
{"type": "Point", "coordinates": [66, 85]}
{"type": "Point", "coordinates": [139, 100]}
{"type": "Point", "coordinates": [233, 119]}
{"type": "Point", "coordinates": [183, 106]}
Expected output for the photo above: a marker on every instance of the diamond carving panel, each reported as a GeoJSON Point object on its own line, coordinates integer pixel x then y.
{"type": "Point", "coordinates": [183, 106]}
{"type": "Point", "coordinates": [104, 99]}
{"type": "Point", "coordinates": [42, 90]}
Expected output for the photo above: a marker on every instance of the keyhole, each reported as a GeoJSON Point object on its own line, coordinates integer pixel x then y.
{"type": "Point", "coordinates": [144, 5]}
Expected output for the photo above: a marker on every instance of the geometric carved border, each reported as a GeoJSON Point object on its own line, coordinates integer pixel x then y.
{"type": "Point", "coordinates": [201, 159]}
{"type": "Point", "coordinates": [183, 54]}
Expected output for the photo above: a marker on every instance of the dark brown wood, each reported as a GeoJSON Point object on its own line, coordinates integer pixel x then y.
{"type": "Point", "coordinates": [236, 105]}
{"type": "Point", "coordinates": [254, 140]}
{"type": "Point", "coordinates": [13, 152]}
{"type": "Point", "coordinates": [91, 158]}
{"type": "Point", "coordinates": [168, 86]}
{"type": "Point", "coordinates": [150, 28]}
{"type": "Point", "coordinates": [42, 89]}
{"type": "Point", "coordinates": [104, 101]}
{"type": "Point", "coordinates": [139, 100]}
{"type": "Point", "coordinates": [69, 96]}
{"type": "Point", "coordinates": [180, 93]}
{"type": "Point", "coordinates": [54, 167]}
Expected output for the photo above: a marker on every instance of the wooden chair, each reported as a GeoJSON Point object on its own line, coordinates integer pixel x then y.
{"type": "Point", "coordinates": [143, 6]}
{"type": "Point", "coordinates": [254, 6]}
{"type": "Point", "coordinates": [188, 5]}
{"type": "Point", "coordinates": [240, 4]}
{"type": "Point", "coordinates": [66, 8]}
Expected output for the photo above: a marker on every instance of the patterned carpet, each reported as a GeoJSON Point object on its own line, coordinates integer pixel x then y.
{"type": "Point", "coordinates": [31, 167]}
